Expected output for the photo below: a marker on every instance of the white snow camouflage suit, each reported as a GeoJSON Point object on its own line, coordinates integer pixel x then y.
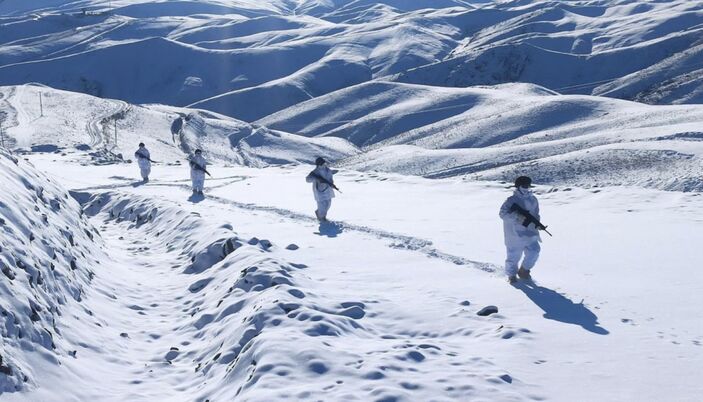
{"type": "Point", "coordinates": [519, 239]}
{"type": "Point", "coordinates": [323, 192]}
{"type": "Point", "coordinates": [197, 176]}
{"type": "Point", "coordinates": [143, 157]}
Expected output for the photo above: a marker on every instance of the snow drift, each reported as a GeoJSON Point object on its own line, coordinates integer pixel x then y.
{"type": "Point", "coordinates": [49, 254]}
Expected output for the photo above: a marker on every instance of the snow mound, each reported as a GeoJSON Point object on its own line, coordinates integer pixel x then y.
{"type": "Point", "coordinates": [48, 256]}
{"type": "Point", "coordinates": [369, 113]}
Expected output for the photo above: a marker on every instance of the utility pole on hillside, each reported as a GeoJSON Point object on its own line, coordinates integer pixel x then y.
{"type": "Point", "coordinates": [2, 135]}
{"type": "Point", "coordinates": [41, 106]}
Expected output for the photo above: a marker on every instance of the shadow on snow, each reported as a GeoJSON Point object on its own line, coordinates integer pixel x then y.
{"type": "Point", "coordinates": [329, 229]}
{"type": "Point", "coordinates": [558, 307]}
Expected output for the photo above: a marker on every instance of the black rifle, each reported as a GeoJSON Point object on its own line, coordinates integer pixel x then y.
{"type": "Point", "coordinates": [142, 156]}
{"type": "Point", "coordinates": [322, 179]}
{"type": "Point", "coordinates": [528, 218]}
{"type": "Point", "coordinates": [198, 167]}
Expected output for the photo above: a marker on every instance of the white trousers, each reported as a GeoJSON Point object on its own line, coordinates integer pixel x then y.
{"type": "Point", "coordinates": [322, 208]}
{"type": "Point", "coordinates": [198, 179]}
{"type": "Point", "coordinates": [145, 170]}
{"type": "Point", "coordinates": [525, 248]}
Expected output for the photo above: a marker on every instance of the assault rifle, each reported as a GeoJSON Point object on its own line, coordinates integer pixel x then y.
{"type": "Point", "coordinates": [528, 218]}
{"type": "Point", "coordinates": [322, 179]}
{"type": "Point", "coordinates": [142, 156]}
{"type": "Point", "coordinates": [198, 167]}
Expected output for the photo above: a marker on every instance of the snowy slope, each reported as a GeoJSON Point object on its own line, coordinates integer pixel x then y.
{"type": "Point", "coordinates": [49, 255]}
{"type": "Point", "coordinates": [144, 8]}
{"type": "Point", "coordinates": [489, 133]}
{"type": "Point", "coordinates": [496, 132]}
{"type": "Point", "coordinates": [575, 47]}
{"type": "Point", "coordinates": [85, 127]}
{"type": "Point", "coordinates": [215, 302]}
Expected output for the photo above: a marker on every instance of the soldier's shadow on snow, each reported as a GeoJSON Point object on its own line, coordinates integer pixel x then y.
{"type": "Point", "coordinates": [138, 183]}
{"type": "Point", "coordinates": [329, 229]}
{"type": "Point", "coordinates": [560, 308]}
{"type": "Point", "coordinates": [196, 198]}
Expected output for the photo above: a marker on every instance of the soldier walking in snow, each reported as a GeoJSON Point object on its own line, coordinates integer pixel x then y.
{"type": "Point", "coordinates": [322, 187]}
{"type": "Point", "coordinates": [198, 171]}
{"type": "Point", "coordinates": [144, 161]}
{"type": "Point", "coordinates": [520, 214]}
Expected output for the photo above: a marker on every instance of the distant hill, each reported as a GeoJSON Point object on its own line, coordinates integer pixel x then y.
{"type": "Point", "coordinates": [497, 132]}
{"type": "Point", "coordinates": [229, 56]}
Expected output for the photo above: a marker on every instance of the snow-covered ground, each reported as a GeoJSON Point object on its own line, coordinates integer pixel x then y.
{"type": "Point", "coordinates": [242, 294]}
{"type": "Point", "coordinates": [380, 305]}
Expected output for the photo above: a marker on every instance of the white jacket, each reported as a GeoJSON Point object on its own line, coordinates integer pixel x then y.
{"type": "Point", "coordinates": [513, 227]}
{"type": "Point", "coordinates": [143, 157]}
{"type": "Point", "coordinates": [200, 161]}
{"type": "Point", "coordinates": [322, 191]}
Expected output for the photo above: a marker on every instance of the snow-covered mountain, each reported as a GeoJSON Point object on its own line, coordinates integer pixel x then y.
{"type": "Point", "coordinates": [496, 132]}
{"type": "Point", "coordinates": [336, 71]}
{"type": "Point", "coordinates": [638, 50]}
{"type": "Point", "coordinates": [249, 59]}
{"type": "Point", "coordinates": [113, 288]}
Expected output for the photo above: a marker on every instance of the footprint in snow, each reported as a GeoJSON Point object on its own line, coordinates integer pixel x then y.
{"type": "Point", "coordinates": [353, 310]}
{"type": "Point", "coordinates": [172, 354]}
{"type": "Point", "coordinates": [318, 368]}
{"type": "Point", "coordinates": [415, 356]}
{"type": "Point", "coordinates": [296, 293]}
